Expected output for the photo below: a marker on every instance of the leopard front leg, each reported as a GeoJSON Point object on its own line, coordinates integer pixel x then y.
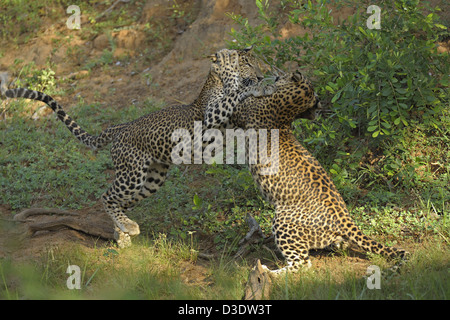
{"type": "Point", "coordinates": [228, 61]}
{"type": "Point", "coordinates": [226, 66]}
{"type": "Point", "coordinates": [256, 90]}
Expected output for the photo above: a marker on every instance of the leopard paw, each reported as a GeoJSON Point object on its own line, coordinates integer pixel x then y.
{"type": "Point", "coordinates": [123, 239]}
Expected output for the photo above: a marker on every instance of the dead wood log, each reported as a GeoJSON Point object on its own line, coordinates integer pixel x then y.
{"type": "Point", "coordinates": [92, 224]}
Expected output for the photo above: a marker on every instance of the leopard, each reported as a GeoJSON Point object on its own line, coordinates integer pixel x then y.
{"type": "Point", "coordinates": [310, 213]}
{"type": "Point", "coordinates": [142, 149]}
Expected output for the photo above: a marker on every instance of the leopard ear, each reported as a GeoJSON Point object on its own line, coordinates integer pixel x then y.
{"type": "Point", "coordinates": [298, 76]}
{"type": "Point", "coordinates": [248, 49]}
{"type": "Point", "coordinates": [213, 57]}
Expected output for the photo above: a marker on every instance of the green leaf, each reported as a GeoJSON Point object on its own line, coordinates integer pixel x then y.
{"type": "Point", "coordinates": [440, 26]}
{"type": "Point", "coordinates": [386, 91]}
{"type": "Point", "coordinates": [336, 96]}
{"type": "Point", "coordinates": [375, 134]}
{"type": "Point", "coordinates": [110, 252]}
{"type": "Point", "coordinates": [373, 107]}
{"type": "Point", "coordinates": [259, 4]}
{"type": "Point", "coordinates": [404, 122]}
{"type": "Point", "coordinates": [197, 200]}
{"type": "Point", "coordinates": [393, 113]}
{"type": "Point", "coordinates": [444, 82]}
{"type": "Point", "coordinates": [372, 128]}
{"type": "Point", "coordinates": [430, 98]}
{"type": "Point", "coordinates": [318, 72]}
{"type": "Point", "coordinates": [362, 31]}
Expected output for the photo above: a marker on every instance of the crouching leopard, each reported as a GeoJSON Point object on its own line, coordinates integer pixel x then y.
{"type": "Point", "coordinates": [310, 212]}
{"type": "Point", "coordinates": [141, 149]}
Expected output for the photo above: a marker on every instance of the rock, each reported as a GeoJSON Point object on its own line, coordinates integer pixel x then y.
{"type": "Point", "coordinates": [101, 42]}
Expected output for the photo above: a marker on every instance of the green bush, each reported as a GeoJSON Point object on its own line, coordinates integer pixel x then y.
{"type": "Point", "coordinates": [378, 85]}
{"type": "Point", "coordinates": [374, 80]}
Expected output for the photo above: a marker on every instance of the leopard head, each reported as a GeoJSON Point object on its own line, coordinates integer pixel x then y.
{"type": "Point", "coordinates": [250, 71]}
{"type": "Point", "coordinates": [249, 67]}
{"type": "Point", "coordinates": [297, 96]}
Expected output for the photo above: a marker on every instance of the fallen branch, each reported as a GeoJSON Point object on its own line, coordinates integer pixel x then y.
{"type": "Point", "coordinates": [206, 256]}
{"type": "Point", "coordinates": [74, 224]}
{"type": "Point", "coordinates": [107, 11]}
{"type": "Point", "coordinates": [253, 236]}
{"type": "Point", "coordinates": [56, 219]}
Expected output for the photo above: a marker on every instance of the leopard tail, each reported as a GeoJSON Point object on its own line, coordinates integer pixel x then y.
{"type": "Point", "coordinates": [355, 235]}
{"type": "Point", "coordinates": [91, 141]}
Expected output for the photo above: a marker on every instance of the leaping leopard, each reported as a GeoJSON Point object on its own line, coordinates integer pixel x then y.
{"type": "Point", "coordinates": [141, 149]}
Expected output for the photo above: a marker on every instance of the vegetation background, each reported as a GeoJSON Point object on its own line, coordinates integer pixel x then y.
{"type": "Point", "coordinates": [383, 136]}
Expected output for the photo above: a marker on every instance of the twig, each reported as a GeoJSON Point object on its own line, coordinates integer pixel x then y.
{"type": "Point", "coordinates": [107, 11]}
{"type": "Point", "coordinates": [254, 235]}
{"type": "Point", "coordinates": [205, 256]}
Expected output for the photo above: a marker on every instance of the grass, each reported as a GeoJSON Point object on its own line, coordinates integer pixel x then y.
{"type": "Point", "coordinates": [425, 276]}
{"type": "Point", "coordinates": [142, 272]}
{"type": "Point", "coordinates": [22, 179]}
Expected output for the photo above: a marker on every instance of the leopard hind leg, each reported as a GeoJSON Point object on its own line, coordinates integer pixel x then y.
{"type": "Point", "coordinates": [291, 240]}
{"type": "Point", "coordinates": [156, 174]}
{"type": "Point", "coordinates": [336, 244]}
{"type": "Point", "coordinates": [126, 187]}
{"type": "Point", "coordinates": [124, 227]}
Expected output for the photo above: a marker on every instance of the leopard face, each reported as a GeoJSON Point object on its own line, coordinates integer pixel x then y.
{"type": "Point", "coordinates": [249, 67]}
